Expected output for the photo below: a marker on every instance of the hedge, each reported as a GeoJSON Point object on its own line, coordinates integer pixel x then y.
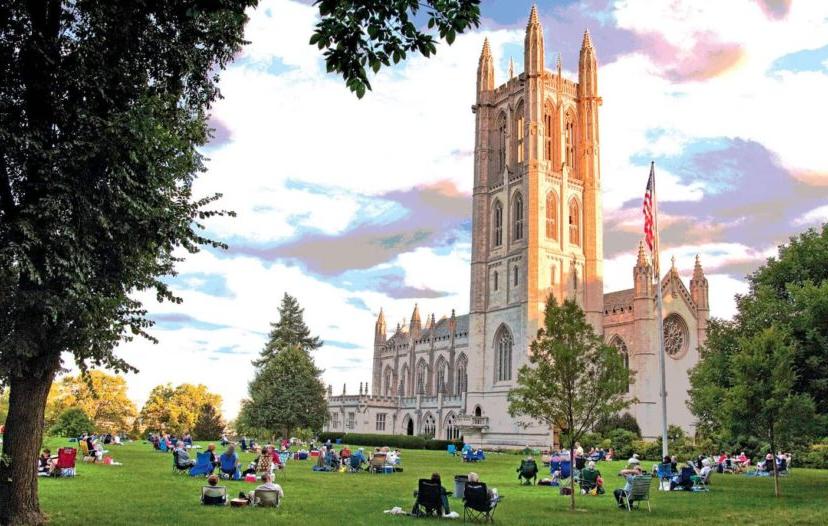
{"type": "Point", "coordinates": [401, 441]}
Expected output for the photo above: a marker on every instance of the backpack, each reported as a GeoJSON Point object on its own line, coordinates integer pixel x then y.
{"type": "Point", "coordinates": [566, 491]}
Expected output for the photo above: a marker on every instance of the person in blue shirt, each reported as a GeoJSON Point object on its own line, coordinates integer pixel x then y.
{"type": "Point", "coordinates": [633, 469]}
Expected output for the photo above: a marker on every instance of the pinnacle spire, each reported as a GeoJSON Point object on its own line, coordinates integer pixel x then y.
{"type": "Point", "coordinates": [642, 257]}
{"type": "Point", "coordinates": [381, 317]}
{"type": "Point", "coordinates": [487, 50]}
{"type": "Point", "coordinates": [511, 68]}
{"type": "Point", "coordinates": [697, 269]}
{"type": "Point", "coordinates": [533, 16]}
{"type": "Point", "coordinates": [558, 62]}
{"type": "Point", "coordinates": [587, 40]}
{"type": "Point", "coordinates": [416, 314]}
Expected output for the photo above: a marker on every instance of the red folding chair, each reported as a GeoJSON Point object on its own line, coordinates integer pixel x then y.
{"type": "Point", "coordinates": [65, 466]}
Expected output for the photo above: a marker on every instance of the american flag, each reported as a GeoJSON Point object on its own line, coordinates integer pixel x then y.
{"type": "Point", "coordinates": [649, 234]}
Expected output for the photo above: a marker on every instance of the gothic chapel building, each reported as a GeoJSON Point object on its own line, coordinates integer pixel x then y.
{"type": "Point", "coordinates": [537, 229]}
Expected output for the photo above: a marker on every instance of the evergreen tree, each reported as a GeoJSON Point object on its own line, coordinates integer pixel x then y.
{"type": "Point", "coordinates": [573, 379]}
{"type": "Point", "coordinates": [286, 394]}
{"type": "Point", "coordinates": [289, 331]}
{"type": "Point", "coordinates": [209, 425]}
{"type": "Point", "coordinates": [72, 423]}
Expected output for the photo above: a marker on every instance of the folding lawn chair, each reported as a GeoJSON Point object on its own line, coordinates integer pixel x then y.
{"type": "Point", "coordinates": [229, 466]}
{"type": "Point", "coordinates": [588, 480]}
{"type": "Point", "coordinates": [378, 463]}
{"type": "Point", "coordinates": [528, 471]}
{"type": "Point", "coordinates": [429, 499]}
{"type": "Point", "coordinates": [452, 449]}
{"type": "Point", "coordinates": [214, 496]}
{"type": "Point", "coordinates": [700, 482]}
{"type": "Point", "coordinates": [664, 473]}
{"type": "Point", "coordinates": [65, 466]}
{"type": "Point", "coordinates": [266, 498]}
{"type": "Point", "coordinates": [203, 465]}
{"type": "Point", "coordinates": [476, 503]}
{"type": "Point", "coordinates": [640, 492]}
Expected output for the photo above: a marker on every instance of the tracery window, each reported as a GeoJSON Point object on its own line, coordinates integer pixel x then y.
{"type": "Point", "coordinates": [421, 377]}
{"type": "Point", "coordinates": [517, 217]}
{"type": "Point", "coordinates": [452, 431]}
{"type": "Point", "coordinates": [675, 336]}
{"type": "Point", "coordinates": [462, 381]}
{"type": "Point", "coordinates": [503, 354]}
{"type": "Point", "coordinates": [551, 216]}
{"type": "Point", "coordinates": [519, 128]}
{"type": "Point", "coordinates": [619, 344]}
{"type": "Point", "coordinates": [498, 223]}
{"type": "Point", "coordinates": [429, 426]}
{"type": "Point", "coordinates": [548, 123]}
{"type": "Point", "coordinates": [574, 222]}
{"type": "Point", "coordinates": [501, 144]}
{"type": "Point", "coordinates": [442, 374]}
{"type": "Point", "coordinates": [570, 141]}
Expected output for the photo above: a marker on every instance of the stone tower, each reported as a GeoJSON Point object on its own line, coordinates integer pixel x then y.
{"type": "Point", "coordinates": [379, 343]}
{"type": "Point", "coordinates": [536, 211]}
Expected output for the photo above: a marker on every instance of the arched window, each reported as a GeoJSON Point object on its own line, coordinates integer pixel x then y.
{"type": "Point", "coordinates": [520, 122]}
{"type": "Point", "coordinates": [452, 431]}
{"type": "Point", "coordinates": [422, 369]}
{"type": "Point", "coordinates": [570, 141]}
{"type": "Point", "coordinates": [676, 336]}
{"type": "Point", "coordinates": [388, 382]}
{"type": "Point", "coordinates": [574, 222]}
{"type": "Point", "coordinates": [503, 354]}
{"type": "Point", "coordinates": [497, 219]}
{"type": "Point", "coordinates": [429, 426]}
{"type": "Point", "coordinates": [517, 217]}
{"type": "Point", "coordinates": [619, 344]}
{"type": "Point", "coordinates": [495, 280]}
{"type": "Point", "coordinates": [442, 375]}
{"type": "Point", "coordinates": [551, 216]}
{"type": "Point", "coordinates": [462, 380]}
{"type": "Point", "coordinates": [548, 131]}
{"type": "Point", "coordinates": [515, 275]}
{"type": "Point", "coordinates": [501, 144]}
{"type": "Point", "coordinates": [403, 378]}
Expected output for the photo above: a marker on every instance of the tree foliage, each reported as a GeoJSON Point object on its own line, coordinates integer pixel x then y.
{"type": "Point", "coordinates": [573, 379]}
{"type": "Point", "coordinates": [790, 293]}
{"type": "Point", "coordinates": [4, 405]}
{"type": "Point", "coordinates": [289, 331]}
{"type": "Point", "coordinates": [286, 394]}
{"type": "Point", "coordinates": [612, 422]}
{"type": "Point", "coordinates": [209, 424]}
{"type": "Point", "coordinates": [102, 397]}
{"type": "Point", "coordinates": [176, 409]}
{"type": "Point", "coordinates": [762, 401]}
{"type": "Point", "coordinates": [370, 34]}
{"type": "Point", "coordinates": [72, 422]}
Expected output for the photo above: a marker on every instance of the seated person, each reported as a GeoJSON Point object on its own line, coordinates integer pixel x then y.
{"type": "Point", "coordinates": [528, 470]}
{"type": "Point", "coordinates": [331, 459]}
{"type": "Point", "coordinates": [263, 464]}
{"type": "Point", "coordinates": [610, 454]}
{"type": "Point", "coordinates": [705, 470]}
{"type": "Point", "coordinates": [229, 461]}
{"type": "Point", "coordinates": [393, 457]}
{"type": "Point", "coordinates": [267, 484]}
{"type": "Point", "coordinates": [223, 441]}
{"type": "Point", "coordinates": [474, 479]}
{"type": "Point", "coordinates": [45, 463]}
{"type": "Point", "coordinates": [682, 480]}
{"type": "Point", "coordinates": [213, 497]}
{"type": "Point", "coordinates": [182, 458]}
{"type": "Point", "coordinates": [277, 460]}
{"type": "Point", "coordinates": [243, 444]}
{"type": "Point", "coordinates": [633, 469]}
{"type": "Point", "coordinates": [435, 479]}
{"type": "Point", "coordinates": [344, 453]}
{"type": "Point", "coordinates": [187, 439]}
{"type": "Point", "coordinates": [591, 479]}
{"type": "Point", "coordinates": [744, 460]}
{"type": "Point", "coordinates": [214, 460]}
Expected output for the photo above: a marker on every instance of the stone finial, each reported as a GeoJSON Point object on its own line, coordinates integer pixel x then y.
{"type": "Point", "coordinates": [642, 256]}
{"type": "Point", "coordinates": [343, 389]}
{"type": "Point", "coordinates": [487, 50]}
{"type": "Point", "coordinates": [559, 63]}
{"type": "Point", "coordinates": [673, 263]}
{"type": "Point", "coordinates": [511, 68]}
{"type": "Point", "coordinates": [533, 17]}
{"type": "Point", "coordinates": [587, 43]}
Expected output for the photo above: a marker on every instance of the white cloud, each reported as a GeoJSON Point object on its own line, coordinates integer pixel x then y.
{"type": "Point", "coordinates": [813, 217]}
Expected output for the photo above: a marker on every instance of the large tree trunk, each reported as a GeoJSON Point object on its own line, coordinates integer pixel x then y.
{"type": "Point", "coordinates": [21, 444]}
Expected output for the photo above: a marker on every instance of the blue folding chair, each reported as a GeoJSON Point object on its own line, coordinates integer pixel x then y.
{"type": "Point", "coordinates": [452, 449]}
{"type": "Point", "coordinates": [566, 469]}
{"type": "Point", "coordinates": [229, 466]}
{"type": "Point", "coordinates": [162, 446]}
{"type": "Point", "coordinates": [203, 466]}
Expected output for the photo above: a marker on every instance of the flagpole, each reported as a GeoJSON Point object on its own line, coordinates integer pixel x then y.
{"type": "Point", "coordinates": [660, 317]}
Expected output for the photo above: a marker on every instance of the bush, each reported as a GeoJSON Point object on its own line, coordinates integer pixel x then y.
{"type": "Point", "coordinates": [621, 441]}
{"type": "Point", "coordinates": [610, 424]}
{"type": "Point", "coordinates": [401, 441]}
{"type": "Point", "coordinates": [647, 449]}
{"type": "Point", "coordinates": [330, 435]}
{"type": "Point", "coordinates": [72, 423]}
{"type": "Point", "coordinates": [442, 445]}
{"type": "Point", "coordinates": [816, 457]}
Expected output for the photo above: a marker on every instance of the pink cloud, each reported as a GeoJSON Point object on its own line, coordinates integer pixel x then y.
{"type": "Point", "coordinates": [707, 58]}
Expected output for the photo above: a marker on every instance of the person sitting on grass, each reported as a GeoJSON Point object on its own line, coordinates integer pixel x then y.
{"type": "Point", "coordinates": [344, 453]}
{"type": "Point", "coordinates": [633, 469]}
{"type": "Point", "coordinates": [182, 458]}
{"type": "Point", "coordinates": [591, 479]}
{"type": "Point", "coordinates": [214, 460]}
{"type": "Point", "coordinates": [45, 464]}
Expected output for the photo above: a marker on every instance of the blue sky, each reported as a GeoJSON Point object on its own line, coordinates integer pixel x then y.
{"type": "Point", "coordinates": [352, 205]}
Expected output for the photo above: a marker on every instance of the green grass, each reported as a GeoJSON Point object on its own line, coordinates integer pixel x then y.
{"type": "Point", "coordinates": [145, 491]}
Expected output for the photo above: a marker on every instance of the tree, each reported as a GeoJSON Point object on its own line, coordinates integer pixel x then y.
{"type": "Point", "coordinates": [290, 330]}
{"type": "Point", "coordinates": [287, 393]}
{"type": "Point", "coordinates": [104, 105]}
{"type": "Point", "coordinates": [209, 424]}
{"type": "Point", "coordinates": [762, 400]}
{"type": "Point", "coordinates": [612, 422]}
{"type": "Point", "coordinates": [176, 409]}
{"type": "Point", "coordinates": [4, 405]}
{"type": "Point", "coordinates": [373, 33]}
{"type": "Point", "coordinates": [72, 422]}
{"type": "Point", "coordinates": [573, 379]}
{"type": "Point", "coordinates": [102, 397]}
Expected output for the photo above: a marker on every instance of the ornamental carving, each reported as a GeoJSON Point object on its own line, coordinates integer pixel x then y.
{"type": "Point", "coordinates": [675, 336]}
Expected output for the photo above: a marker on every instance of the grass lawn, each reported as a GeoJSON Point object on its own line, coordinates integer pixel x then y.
{"type": "Point", "coordinates": [145, 491]}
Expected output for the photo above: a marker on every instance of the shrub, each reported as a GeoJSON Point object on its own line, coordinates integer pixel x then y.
{"type": "Point", "coordinates": [647, 449]}
{"type": "Point", "coordinates": [621, 441]}
{"type": "Point", "coordinates": [401, 441]}
{"type": "Point", "coordinates": [330, 435]}
{"type": "Point", "coordinates": [816, 457]}
{"type": "Point", "coordinates": [626, 421]}
{"type": "Point", "coordinates": [72, 423]}
{"type": "Point", "coordinates": [442, 445]}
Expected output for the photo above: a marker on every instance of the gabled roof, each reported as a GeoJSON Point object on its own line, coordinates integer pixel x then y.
{"type": "Point", "coordinates": [618, 298]}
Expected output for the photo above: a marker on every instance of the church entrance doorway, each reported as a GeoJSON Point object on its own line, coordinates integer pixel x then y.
{"type": "Point", "coordinates": [409, 430]}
